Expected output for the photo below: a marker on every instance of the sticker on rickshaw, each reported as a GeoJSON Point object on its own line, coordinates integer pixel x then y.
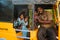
{"type": "Point", "coordinates": [2, 39]}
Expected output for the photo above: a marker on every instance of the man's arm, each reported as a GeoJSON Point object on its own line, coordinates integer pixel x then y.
{"type": "Point", "coordinates": [42, 21]}
{"type": "Point", "coordinates": [47, 22]}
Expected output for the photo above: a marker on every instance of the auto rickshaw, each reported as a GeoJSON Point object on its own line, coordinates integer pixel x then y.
{"type": "Point", "coordinates": [7, 32]}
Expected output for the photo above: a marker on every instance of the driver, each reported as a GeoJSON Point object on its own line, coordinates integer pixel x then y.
{"type": "Point", "coordinates": [46, 30]}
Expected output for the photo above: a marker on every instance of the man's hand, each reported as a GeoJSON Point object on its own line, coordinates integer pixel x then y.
{"type": "Point", "coordinates": [46, 22]}
{"type": "Point", "coordinates": [50, 21]}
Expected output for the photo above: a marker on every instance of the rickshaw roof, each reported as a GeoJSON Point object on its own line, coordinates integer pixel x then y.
{"type": "Point", "coordinates": [33, 1]}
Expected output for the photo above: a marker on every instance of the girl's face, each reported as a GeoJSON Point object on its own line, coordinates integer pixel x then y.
{"type": "Point", "coordinates": [26, 19]}
{"type": "Point", "coordinates": [22, 16]}
{"type": "Point", "coordinates": [35, 13]}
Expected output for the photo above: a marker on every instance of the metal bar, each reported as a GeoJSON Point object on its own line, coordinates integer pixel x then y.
{"type": "Point", "coordinates": [22, 30]}
{"type": "Point", "coordinates": [23, 37]}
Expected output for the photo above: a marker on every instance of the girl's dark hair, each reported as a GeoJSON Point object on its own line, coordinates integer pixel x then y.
{"type": "Point", "coordinates": [22, 13]}
{"type": "Point", "coordinates": [26, 17]}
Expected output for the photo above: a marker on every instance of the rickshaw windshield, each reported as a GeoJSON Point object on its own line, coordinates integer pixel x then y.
{"type": "Point", "coordinates": [6, 11]}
